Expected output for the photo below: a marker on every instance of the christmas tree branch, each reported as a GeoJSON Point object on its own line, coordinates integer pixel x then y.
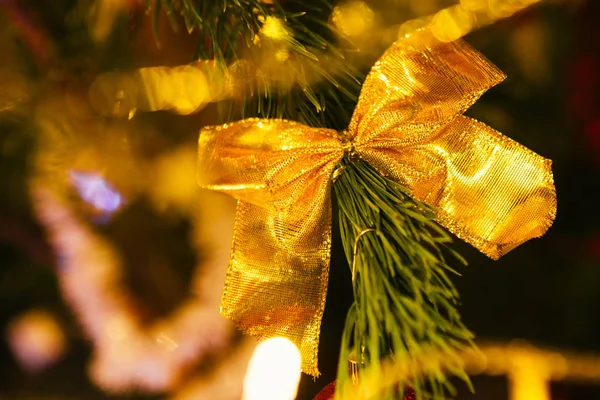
{"type": "Point", "coordinates": [291, 70]}
{"type": "Point", "coordinates": [405, 303]}
{"type": "Point", "coordinates": [229, 25]}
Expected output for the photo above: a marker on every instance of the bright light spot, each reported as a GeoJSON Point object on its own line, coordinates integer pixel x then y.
{"type": "Point", "coordinates": [384, 78]}
{"type": "Point", "coordinates": [36, 340]}
{"type": "Point", "coordinates": [273, 372]}
{"type": "Point", "coordinates": [191, 87]}
{"type": "Point", "coordinates": [282, 55]}
{"type": "Point", "coordinates": [529, 379]}
{"type": "Point", "coordinates": [353, 18]}
{"type": "Point", "coordinates": [410, 26]}
{"type": "Point", "coordinates": [274, 28]}
{"type": "Point", "coordinates": [95, 191]}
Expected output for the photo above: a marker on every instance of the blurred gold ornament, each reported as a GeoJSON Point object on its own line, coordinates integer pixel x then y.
{"type": "Point", "coordinates": [488, 190]}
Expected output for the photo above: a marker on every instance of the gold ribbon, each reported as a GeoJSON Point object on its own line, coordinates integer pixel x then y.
{"type": "Point", "coordinates": [488, 190]}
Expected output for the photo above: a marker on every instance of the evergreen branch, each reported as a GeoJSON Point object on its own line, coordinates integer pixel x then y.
{"type": "Point", "coordinates": [319, 86]}
{"type": "Point", "coordinates": [405, 303]}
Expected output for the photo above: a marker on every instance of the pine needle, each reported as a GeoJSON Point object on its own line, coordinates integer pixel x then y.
{"type": "Point", "coordinates": [229, 29]}
{"type": "Point", "coordinates": [405, 302]}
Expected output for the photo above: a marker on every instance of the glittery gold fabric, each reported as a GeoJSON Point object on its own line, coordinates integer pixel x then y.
{"type": "Point", "coordinates": [488, 190]}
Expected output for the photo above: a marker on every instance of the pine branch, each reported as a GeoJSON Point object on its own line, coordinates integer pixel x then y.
{"type": "Point", "coordinates": [319, 89]}
{"type": "Point", "coordinates": [405, 304]}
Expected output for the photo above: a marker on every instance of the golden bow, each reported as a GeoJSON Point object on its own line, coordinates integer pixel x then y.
{"type": "Point", "coordinates": [488, 190]}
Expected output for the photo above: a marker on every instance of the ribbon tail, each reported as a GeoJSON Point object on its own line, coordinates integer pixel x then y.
{"type": "Point", "coordinates": [497, 193]}
{"type": "Point", "coordinates": [488, 190]}
{"type": "Point", "coordinates": [276, 283]}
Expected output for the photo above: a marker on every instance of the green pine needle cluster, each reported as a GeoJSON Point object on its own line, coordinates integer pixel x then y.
{"type": "Point", "coordinates": [405, 303]}
{"type": "Point", "coordinates": [324, 86]}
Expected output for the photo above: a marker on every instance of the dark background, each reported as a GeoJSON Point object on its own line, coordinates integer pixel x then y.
{"type": "Point", "coordinates": [545, 291]}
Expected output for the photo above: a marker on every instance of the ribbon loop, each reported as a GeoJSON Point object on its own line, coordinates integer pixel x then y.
{"type": "Point", "coordinates": [417, 85]}
{"type": "Point", "coordinates": [486, 188]}
{"type": "Point", "coordinates": [280, 171]}
{"type": "Point", "coordinates": [266, 162]}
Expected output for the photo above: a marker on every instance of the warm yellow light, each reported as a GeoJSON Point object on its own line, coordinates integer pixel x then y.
{"type": "Point", "coordinates": [282, 55]}
{"type": "Point", "coordinates": [353, 18]}
{"type": "Point", "coordinates": [36, 339]}
{"type": "Point", "coordinates": [274, 28]}
{"type": "Point", "coordinates": [456, 21]}
{"type": "Point", "coordinates": [529, 378]}
{"type": "Point", "coordinates": [191, 83]}
{"type": "Point", "coordinates": [273, 372]}
{"type": "Point", "coordinates": [184, 89]}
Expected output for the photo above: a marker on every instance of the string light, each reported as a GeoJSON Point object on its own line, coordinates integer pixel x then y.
{"type": "Point", "coordinates": [184, 89]}
{"type": "Point", "coordinates": [273, 372]}
{"type": "Point", "coordinates": [456, 21]}
{"type": "Point", "coordinates": [452, 23]}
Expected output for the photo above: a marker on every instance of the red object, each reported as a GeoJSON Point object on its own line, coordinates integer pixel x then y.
{"type": "Point", "coordinates": [583, 79]}
{"type": "Point", "coordinates": [329, 390]}
{"type": "Point", "coordinates": [409, 394]}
